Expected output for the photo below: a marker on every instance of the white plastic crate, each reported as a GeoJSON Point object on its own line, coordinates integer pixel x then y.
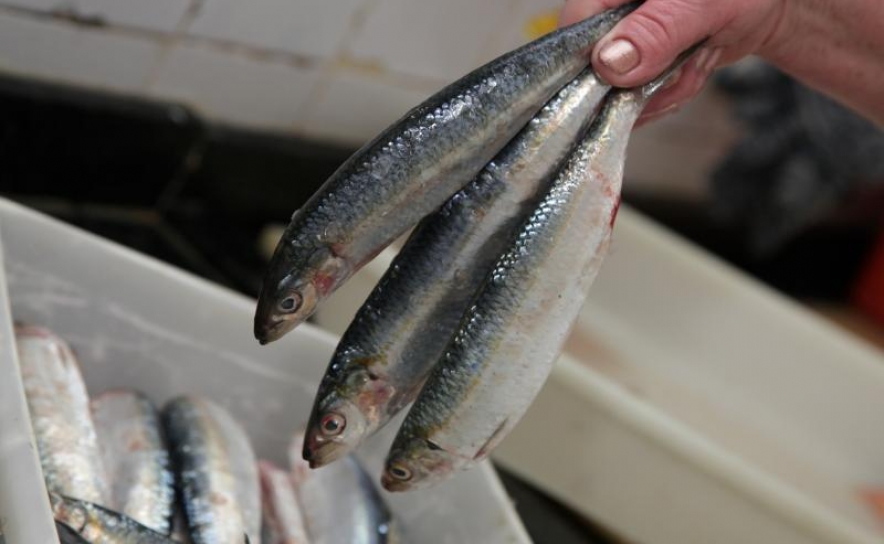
{"type": "Point", "coordinates": [135, 322]}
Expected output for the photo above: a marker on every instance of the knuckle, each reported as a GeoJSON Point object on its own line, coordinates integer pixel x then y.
{"type": "Point", "coordinates": [653, 29]}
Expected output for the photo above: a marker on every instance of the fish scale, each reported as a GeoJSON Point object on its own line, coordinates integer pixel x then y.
{"type": "Point", "coordinates": [406, 322]}
{"type": "Point", "coordinates": [507, 342]}
{"type": "Point", "coordinates": [411, 168]}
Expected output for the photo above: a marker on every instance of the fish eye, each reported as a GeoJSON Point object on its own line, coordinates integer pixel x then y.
{"type": "Point", "coordinates": [357, 379]}
{"type": "Point", "coordinates": [76, 517]}
{"type": "Point", "coordinates": [400, 472]}
{"type": "Point", "coordinates": [333, 424]}
{"type": "Point", "coordinates": [290, 303]}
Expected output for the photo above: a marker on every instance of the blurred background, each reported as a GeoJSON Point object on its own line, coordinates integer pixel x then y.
{"type": "Point", "coordinates": [192, 129]}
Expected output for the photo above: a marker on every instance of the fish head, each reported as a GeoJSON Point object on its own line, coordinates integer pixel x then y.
{"type": "Point", "coordinates": [339, 423]}
{"type": "Point", "coordinates": [417, 463]}
{"type": "Point", "coordinates": [300, 276]}
{"type": "Point", "coordinates": [70, 512]}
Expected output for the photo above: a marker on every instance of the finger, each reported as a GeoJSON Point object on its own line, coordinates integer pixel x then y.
{"type": "Point", "coordinates": [690, 83]}
{"type": "Point", "coordinates": [672, 109]}
{"type": "Point", "coordinates": [577, 10]}
{"type": "Point", "coordinates": [642, 45]}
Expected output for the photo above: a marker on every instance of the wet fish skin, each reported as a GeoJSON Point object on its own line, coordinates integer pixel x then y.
{"type": "Point", "coordinates": [508, 340]}
{"type": "Point", "coordinates": [216, 472]}
{"type": "Point", "coordinates": [340, 503]}
{"type": "Point", "coordinates": [99, 525]}
{"type": "Point", "coordinates": [412, 168]}
{"type": "Point", "coordinates": [135, 458]}
{"type": "Point", "coordinates": [282, 510]}
{"type": "Point", "coordinates": [403, 328]}
{"type": "Point", "coordinates": [59, 410]}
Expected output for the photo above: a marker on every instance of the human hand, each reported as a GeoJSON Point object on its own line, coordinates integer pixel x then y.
{"type": "Point", "coordinates": [648, 40]}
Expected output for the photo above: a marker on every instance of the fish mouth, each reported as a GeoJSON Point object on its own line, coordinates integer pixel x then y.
{"type": "Point", "coordinates": [393, 485]}
{"type": "Point", "coordinates": [267, 331]}
{"type": "Point", "coordinates": [319, 453]}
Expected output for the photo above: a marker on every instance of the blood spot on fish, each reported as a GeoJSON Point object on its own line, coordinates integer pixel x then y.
{"type": "Point", "coordinates": [137, 443]}
{"type": "Point", "coordinates": [217, 499]}
{"type": "Point", "coordinates": [324, 283]}
{"type": "Point", "coordinates": [376, 395]}
{"type": "Point", "coordinates": [614, 212]}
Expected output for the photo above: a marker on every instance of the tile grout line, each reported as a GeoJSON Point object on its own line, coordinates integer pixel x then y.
{"type": "Point", "coordinates": [256, 53]}
{"type": "Point", "coordinates": [187, 18]}
{"type": "Point", "coordinates": [340, 61]}
{"type": "Point", "coordinates": [327, 71]}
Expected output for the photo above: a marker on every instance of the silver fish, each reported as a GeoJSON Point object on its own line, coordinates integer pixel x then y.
{"type": "Point", "coordinates": [60, 416]}
{"type": "Point", "coordinates": [100, 525]}
{"type": "Point", "coordinates": [340, 503]}
{"type": "Point", "coordinates": [508, 340]}
{"type": "Point", "coordinates": [282, 511]}
{"type": "Point", "coordinates": [135, 458]}
{"type": "Point", "coordinates": [216, 471]}
{"type": "Point", "coordinates": [412, 168]}
{"type": "Point", "coordinates": [404, 326]}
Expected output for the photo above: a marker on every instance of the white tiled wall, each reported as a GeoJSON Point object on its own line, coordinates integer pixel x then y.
{"type": "Point", "coordinates": [516, 28]}
{"type": "Point", "coordinates": [57, 51]}
{"type": "Point", "coordinates": [258, 92]}
{"type": "Point", "coordinates": [435, 39]}
{"type": "Point", "coordinates": [332, 69]}
{"type": "Point", "coordinates": [157, 15]}
{"type": "Point", "coordinates": [302, 27]}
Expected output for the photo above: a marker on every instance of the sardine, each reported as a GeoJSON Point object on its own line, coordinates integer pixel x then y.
{"type": "Point", "coordinates": [135, 458]}
{"type": "Point", "coordinates": [512, 334]}
{"type": "Point", "coordinates": [216, 472]}
{"type": "Point", "coordinates": [402, 329]}
{"type": "Point", "coordinates": [60, 416]}
{"type": "Point", "coordinates": [412, 168]}
{"type": "Point", "coordinates": [282, 511]}
{"type": "Point", "coordinates": [340, 502]}
{"type": "Point", "coordinates": [100, 525]}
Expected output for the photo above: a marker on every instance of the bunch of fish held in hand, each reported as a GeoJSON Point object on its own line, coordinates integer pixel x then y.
{"type": "Point", "coordinates": [512, 176]}
{"type": "Point", "coordinates": [118, 471]}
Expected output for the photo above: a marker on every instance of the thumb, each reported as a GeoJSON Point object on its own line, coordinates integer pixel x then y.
{"type": "Point", "coordinates": [647, 41]}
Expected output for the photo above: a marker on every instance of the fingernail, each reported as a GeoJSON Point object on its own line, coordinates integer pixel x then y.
{"type": "Point", "coordinates": [620, 55]}
{"type": "Point", "coordinates": [670, 109]}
